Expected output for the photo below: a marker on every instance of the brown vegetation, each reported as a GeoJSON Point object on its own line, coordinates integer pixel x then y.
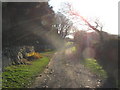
{"type": "Point", "coordinates": [105, 52]}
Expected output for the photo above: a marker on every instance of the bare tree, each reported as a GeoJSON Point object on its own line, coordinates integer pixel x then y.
{"type": "Point", "coordinates": [75, 15]}
{"type": "Point", "coordinates": [63, 25]}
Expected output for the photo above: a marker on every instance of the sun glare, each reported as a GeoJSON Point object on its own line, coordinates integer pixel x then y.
{"type": "Point", "coordinates": [104, 10]}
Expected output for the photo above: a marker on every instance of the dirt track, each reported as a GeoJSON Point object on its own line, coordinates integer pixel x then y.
{"type": "Point", "coordinates": [63, 72]}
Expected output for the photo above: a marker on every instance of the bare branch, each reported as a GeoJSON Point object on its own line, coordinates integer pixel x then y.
{"type": "Point", "coordinates": [96, 24]}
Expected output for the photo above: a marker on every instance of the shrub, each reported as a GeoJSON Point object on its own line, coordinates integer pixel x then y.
{"type": "Point", "coordinates": [107, 56]}
{"type": "Point", "coordinates": [34, 55]}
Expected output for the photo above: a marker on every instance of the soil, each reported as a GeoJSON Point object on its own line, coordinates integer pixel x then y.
{"type": "Point", "coordinates": [63, 71]}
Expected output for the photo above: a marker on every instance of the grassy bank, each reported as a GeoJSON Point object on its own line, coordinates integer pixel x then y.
{"type": "Point", "coordinates": [95, 67]}
{"type": "Point", "coordinates": [20, 76]}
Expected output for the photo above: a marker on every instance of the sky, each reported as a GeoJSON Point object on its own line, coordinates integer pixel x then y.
{"type": "Point", "coordinates": [104, 10]}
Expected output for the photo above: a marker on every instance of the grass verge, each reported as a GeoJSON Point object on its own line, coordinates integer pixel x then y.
{"type": "Point", "coordinates": [95, 67]}
{"type": "Point", "coordinates": [21, 76]}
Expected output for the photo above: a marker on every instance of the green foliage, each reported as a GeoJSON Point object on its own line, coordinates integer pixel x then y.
{"type": "Point", "coordinates": [68, 43]}
{"type": "Point", "coordinates": [0, 80]}
{"type": "Point", "coordinates": [95, 67]}
{"type": "Point", "coordinates": [20, 76]}
{"type": "Point", "coordinates": [73, 49]}
{"type": "Point", "coordinates": [49, 53]}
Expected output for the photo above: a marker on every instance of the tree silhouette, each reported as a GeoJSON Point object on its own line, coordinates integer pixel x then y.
{"type": "Point", "coordinates": [63, 25]}
{"type": "Point", "coordinates": [73, 14]}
